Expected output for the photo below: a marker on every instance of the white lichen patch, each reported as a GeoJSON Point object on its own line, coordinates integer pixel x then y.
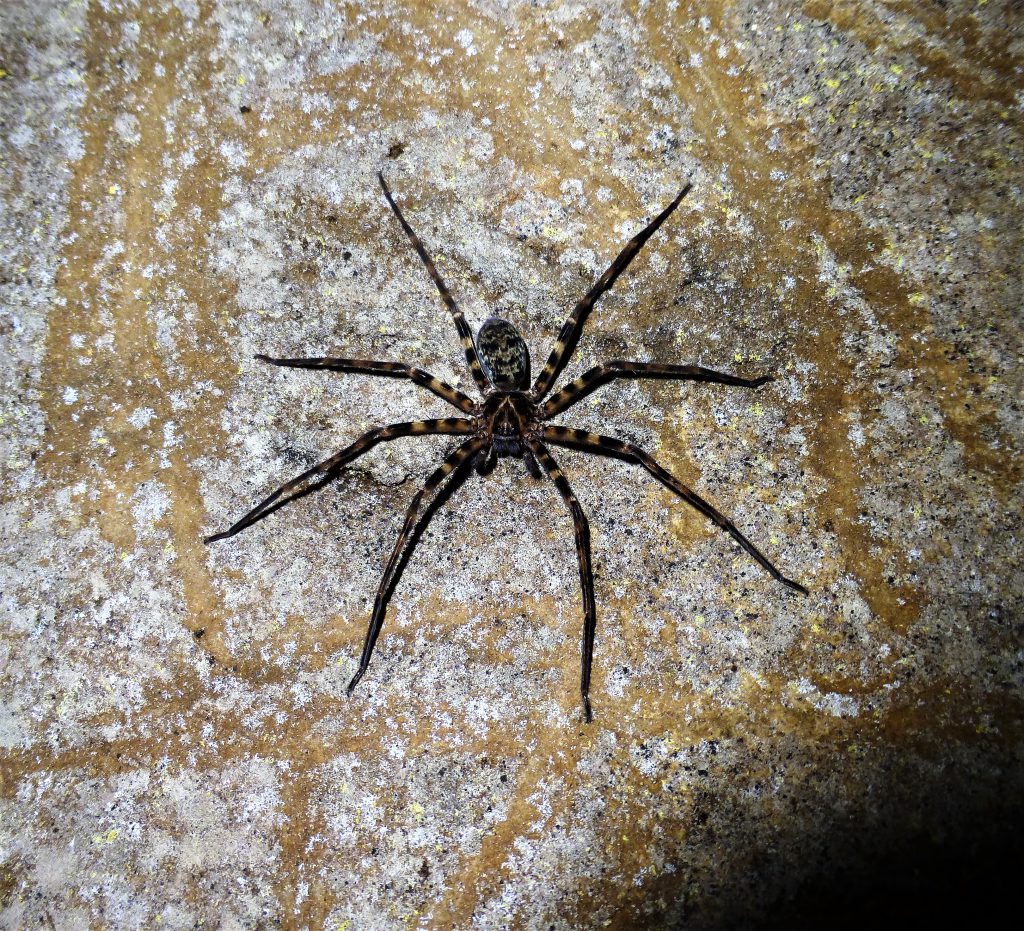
{"type": "Point", "coordinates": [150, 504]}
{"type": "Point", "coordinates": [104, 839]}
{"type": "Point", "coordinates": [833, 703]}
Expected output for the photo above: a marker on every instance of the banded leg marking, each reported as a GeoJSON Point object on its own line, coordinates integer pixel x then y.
{"type": "Point", "coordinates": [596, 377]}
{"type": "Point", "coordinates": [609, 446]}
{"type": "Point", "coordinates": [324, 471]}
{"type": "Point", "coordinates": [456, 462]}
{"type": "Point", "coordinates": [388, 369]}
{"type": "Point", "coordinates": [460, 321]}
{"type": "Point", "coordinates": [569, 334]}
{"type": "Point", "coordinates": [581, 528]}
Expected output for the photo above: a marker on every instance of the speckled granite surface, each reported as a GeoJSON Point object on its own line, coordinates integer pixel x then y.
{"type": "Point", "coordinates": [186, 184]}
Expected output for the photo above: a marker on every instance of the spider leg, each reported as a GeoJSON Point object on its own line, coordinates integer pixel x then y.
{"type": "Point", "coordinates": [570, 331]}
{"type": "Point", "coordinates": [324, 471]}
{"type": "Point", "coordinates": [460, 321]}
{"type": "Point", "coordinates": [582, 532]}
{"type": "Point", "coordinates": [593, 379]}
{"type": "Point", "coordinates": [531, 465]}
{"type": "Point", "coordinates": [456, 462]}
{"type": "Point", "coordinates": [389, 369]}
{"type": "Point", "coordinates": [609, 446]}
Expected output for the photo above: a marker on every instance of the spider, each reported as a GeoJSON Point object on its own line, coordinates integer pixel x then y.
{"type": "Point", "coordinates": [512, 420]}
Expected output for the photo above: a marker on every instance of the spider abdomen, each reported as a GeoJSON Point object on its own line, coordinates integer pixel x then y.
{"type": "Point", "coordinates": [503, 354]}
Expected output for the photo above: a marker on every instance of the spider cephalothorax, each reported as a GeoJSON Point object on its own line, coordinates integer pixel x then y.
{"type": "Point", "coordinates": [511, 419]}
{"type": "Point", "coordinates": [508, 420]}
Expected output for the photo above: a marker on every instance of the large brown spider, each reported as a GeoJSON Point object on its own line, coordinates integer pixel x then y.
{"type": "Point", "coordinates": [511, 420]}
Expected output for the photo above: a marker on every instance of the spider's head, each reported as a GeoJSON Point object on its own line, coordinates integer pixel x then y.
{"type": "Point", "coordinates": [503, 355]}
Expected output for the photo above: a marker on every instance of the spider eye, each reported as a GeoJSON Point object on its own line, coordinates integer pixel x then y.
{"type": "Point", "coordinates": [503, 354]}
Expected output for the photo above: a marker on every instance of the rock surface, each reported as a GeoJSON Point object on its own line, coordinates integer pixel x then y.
{"type": "Point", "coordinates": [187, 184]}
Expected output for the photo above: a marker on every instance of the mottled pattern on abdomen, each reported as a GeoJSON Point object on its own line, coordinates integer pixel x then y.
{"type": "Point", "coordinates": [503, 354]}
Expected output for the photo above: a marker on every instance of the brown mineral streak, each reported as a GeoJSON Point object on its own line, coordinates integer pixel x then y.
{"type": "Point", "coordinates": [139, 171]}
{"type": "Point", "coordinates": [973, 73]}
{"type": "Point", "coordinates": [70, 451]}
{"type": "Point", "coordinates": [711, 95]}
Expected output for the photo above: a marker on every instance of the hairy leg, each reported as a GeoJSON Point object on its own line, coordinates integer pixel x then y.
{"type": "Point", "coordinates": [324, 471]}
{"type": "Point", "coordinates": [388, 369]}
{"type": "Point", "coordinates": [570, 331]}
{"type": "Point", "coordinates": [460, 321]}
{"type": "Point", "coordinates": [454, 463]}
{"type": "Point", "coordinates": [582, 531]}
{"type": "Point", "coordinates": [609, 446]}
{"type": "Point", "coordinates": [593, 379]}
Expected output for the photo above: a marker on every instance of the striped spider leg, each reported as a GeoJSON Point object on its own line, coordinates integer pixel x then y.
{"type": "Point", "coordinates": [323, 472]}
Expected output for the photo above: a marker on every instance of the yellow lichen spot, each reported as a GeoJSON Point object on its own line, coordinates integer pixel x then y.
{"type": "Point", "coordinates": [756, 409]}
{"type": "Point", "coordinates": [917, 298]}
{"type": "Point", "coordinates": [3, 74]}
{"type": "Point", "coordinates": [112, 189]}
{"type": "Point", "coordinates": [241, 80]}
{"type": "Point", "coordinates": [798, 27]}
{"type": "Point", "coordinates": [806, 99]}
{"type": "Point", "coordinates": [105, 838]}
{"type": "Point", "coordinates": [831, 83]}
{"type": "Point", "coordinates": [923, 419]}
{"type": "Point", "coordinates": [345, 925]}
{"type": "Point", "coordinates": [417, 809]}
{"type": "Point", "coordinates": [699, 620]}
{"type": "Point", "coordinates": [738, 356]}
{"type": "Point", "coordinates": [896, 69]}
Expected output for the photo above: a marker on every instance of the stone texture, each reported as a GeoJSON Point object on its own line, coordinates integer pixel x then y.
{"type": "Point", "coordinates": [186, 184]}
